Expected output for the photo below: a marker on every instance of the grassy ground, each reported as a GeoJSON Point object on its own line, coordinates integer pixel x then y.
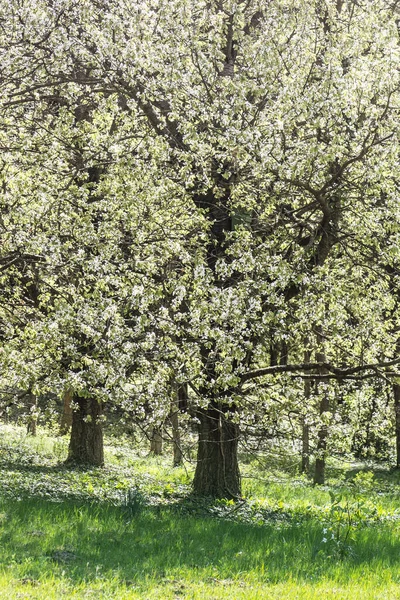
{"type": "Point", "coordinates": [130, 530]}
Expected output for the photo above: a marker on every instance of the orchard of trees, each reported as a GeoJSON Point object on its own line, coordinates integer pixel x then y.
{"type": "Point", "coordinates": [200, 218]}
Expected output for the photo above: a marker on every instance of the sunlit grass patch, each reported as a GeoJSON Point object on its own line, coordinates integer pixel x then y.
{"type": "Point", "coordinates": [132, 530]}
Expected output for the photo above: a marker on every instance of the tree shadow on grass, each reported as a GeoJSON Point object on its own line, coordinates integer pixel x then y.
{"type": "Point", "coordinates": [160, 542]}
{"type": "Point", "coordinates": [61, 467]}
{"type": "Point", "coordinates": [54, 482]}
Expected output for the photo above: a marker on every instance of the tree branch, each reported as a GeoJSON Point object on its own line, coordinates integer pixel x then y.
{"type": "Point", "coordinates": [319, 367]}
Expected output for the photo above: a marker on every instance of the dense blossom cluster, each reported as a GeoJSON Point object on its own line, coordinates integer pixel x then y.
{"type": "Point", "coordinates": [192, 191]}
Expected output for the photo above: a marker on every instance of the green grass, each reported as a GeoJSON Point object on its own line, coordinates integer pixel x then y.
{"type": "Point", "coordinates": [131, 530]}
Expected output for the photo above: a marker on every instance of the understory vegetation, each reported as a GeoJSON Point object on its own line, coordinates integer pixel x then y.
{"type": "Point", "coordinates": [134, 530]}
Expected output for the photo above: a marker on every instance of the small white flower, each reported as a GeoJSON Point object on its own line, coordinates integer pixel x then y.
{"type": "Point", "coordinates": [324, 540]}
{"type": "Point", "coordinates": [324, 530]}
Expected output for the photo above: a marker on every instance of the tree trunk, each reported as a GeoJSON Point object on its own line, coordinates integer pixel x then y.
{"type": "Point", "coordinates": [156, 441]}
{"type": "Point", "coordinates": [176, 437]}
{"type": "Point", "coordinates": [181, 399]}
{"type": "Point", "coordinates": [305, 437]}
{"type": "Point", "coordinates": [319, 473]}
{"type": "Point", "coordinates": [396, 393]}
{"type": "Point", "coordinates": [86, 442]}
{"type": "Point", "coordinates": [31, 428]}
{"type": "Point", "coordinates": [217, 470]}
{"type": "Point", "coordinates": [66, 417]}
{"type": "Point", "coordinates": [305, 447]}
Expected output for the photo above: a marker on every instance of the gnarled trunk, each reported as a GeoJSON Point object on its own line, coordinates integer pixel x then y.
{"type": "Point", "coordinates": [217, 470]}
{"type": "Point", "coordinates": [86, 442]}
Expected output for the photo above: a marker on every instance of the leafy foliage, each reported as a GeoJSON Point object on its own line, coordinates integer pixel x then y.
{"type": "Point", "coordinates": [193, 193]}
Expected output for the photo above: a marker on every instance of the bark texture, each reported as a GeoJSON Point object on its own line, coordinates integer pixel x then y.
{"type": "Point", "coordinates": [217, 470]}
{"type": "Point", "coordinates": [86, 442]}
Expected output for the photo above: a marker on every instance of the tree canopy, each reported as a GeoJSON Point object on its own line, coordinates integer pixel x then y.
{"type": "Point", "coordinates": [201, 194]}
